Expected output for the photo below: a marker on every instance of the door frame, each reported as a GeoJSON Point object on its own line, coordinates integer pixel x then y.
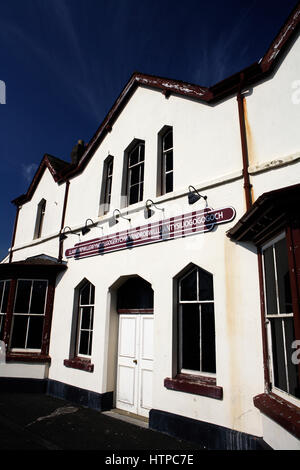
{"type": "Point", "coordinates": [139, 410]}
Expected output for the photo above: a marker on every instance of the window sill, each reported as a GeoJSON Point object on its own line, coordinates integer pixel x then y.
{"type": "Point", "coordinates": [27, 357]}
{"type": "Point", "coordinates": [195, 384]}
{"type": "Point", "coordinates": [279, 410]}
{"type": "Point", "coordinates": [79, 363]}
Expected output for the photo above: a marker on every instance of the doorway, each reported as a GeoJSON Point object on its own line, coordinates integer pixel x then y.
{"type": "Point", "coordinates": [135, 347]}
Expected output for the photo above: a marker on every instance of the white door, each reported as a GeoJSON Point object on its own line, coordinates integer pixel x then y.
{"type": "Point", "coordinates": [135, 363]}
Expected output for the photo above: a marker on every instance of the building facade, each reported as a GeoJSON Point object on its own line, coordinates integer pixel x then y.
{"type": "Point", "coordinates": [158, 271]}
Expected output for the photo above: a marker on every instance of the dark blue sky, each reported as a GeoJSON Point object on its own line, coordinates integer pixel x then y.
{"type": "Point", "coordinates": [64, 62]}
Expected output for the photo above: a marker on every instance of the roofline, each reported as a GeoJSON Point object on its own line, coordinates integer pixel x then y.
{"type": "Point", "coordinates": [250, 75]}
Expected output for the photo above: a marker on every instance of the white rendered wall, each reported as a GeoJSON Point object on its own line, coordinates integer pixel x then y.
{"type": "Point", "coordinates": [54, 194]}
{"type": "Point", "coordinates": [273, 113]}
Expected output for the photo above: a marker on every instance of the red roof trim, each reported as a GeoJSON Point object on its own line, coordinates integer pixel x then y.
{"type": "Point", "coordinates": [45, 163]}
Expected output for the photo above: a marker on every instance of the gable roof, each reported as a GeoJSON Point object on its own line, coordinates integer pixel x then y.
{"type": "Point", "coordinates": [57, 168]}
{"type": "Point", "coordinates": [251, 75]}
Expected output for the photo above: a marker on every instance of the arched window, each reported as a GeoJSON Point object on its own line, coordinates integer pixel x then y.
{"type": "Point", "coordinates": [106, 189]}
{"type": "Point", "coordinates": [85, 320]}
{"type": "Point", "coordinates": [40, 218]}
{"type": "Point", "coordinates": [196, 323]}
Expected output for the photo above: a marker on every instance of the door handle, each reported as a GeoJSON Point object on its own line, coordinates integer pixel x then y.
{"type": "Point", "coordinates": [135, 361]}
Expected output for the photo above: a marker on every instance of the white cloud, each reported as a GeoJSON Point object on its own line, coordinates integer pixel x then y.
{"type": "Point", "coordinates": [29, 171]}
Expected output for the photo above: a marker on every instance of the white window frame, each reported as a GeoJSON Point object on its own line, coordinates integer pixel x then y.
{"type": "Point", "coordinates": [198, 302]}
{"type": "Point", "coordinates": [164, 154]}
{"type": "Point", "coordinates": [141, 181]}
{"type": "Point", "coordinates": [28, 314]}
{"type": "Point", "coordinates": [280, 317]}
{"type": "Point", "coordinates": [79, 321]}
{"type": "Point", "coordinates": [107, 182]}
{"type": "Point", "coordinates": [40, 216]}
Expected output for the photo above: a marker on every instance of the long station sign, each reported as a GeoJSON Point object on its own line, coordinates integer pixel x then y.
{"type": "Point", "coordinates": [166, 229]}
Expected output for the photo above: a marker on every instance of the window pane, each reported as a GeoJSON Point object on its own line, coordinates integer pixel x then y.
{"type": "Point", "coordinates": [142, 153]}
{"type": "Point", "coordinates": [134, 156]}
{"type": "Point", "coordinates": [4, 286]}
{"type": "Point", "coordinates": [135, 175]}
{"type": "Point", "coordinates": [23, 296]}
{"type": "Point", "coordinates": [169, 182]}
{"type": "Point", "coordinates": [2, 320]}
{"type": "Point", "coordinates": [92, 294]}
{"type": "Point", "coordinates": [134, 194]}
{"type": "Point", "coordinates": [169, 161]}
{"type": "Point", "coordinates": [208, 338]}
{"type": "Point", "coordinates": [188, 286]}
{"type": "Point", "coordinates": [38, 297]}
{"type": "Point", "coordinates": [85, 294]}
{"type": "Point", "coordinates": [278, 354]}
{"type": "Point", "coordinates": [84, 340]}
{"type": "Point", "coordinates": [90, 343]}
{"type": "Point", "coordinates": [168, 141]}
{"type": "Point", "coordinates": [283, 278]}
{"type": "Point", "coordinates": [86, 318]}
{"type": "Point", "coordinates": [190, 337]}
{"type": "Point", "coordinates": [35, 332]}
{"type": "Point", "coordinates": [293, 377]}
{"type": "Point", "coordinates": [206, 290]}
{"type": "Point", "coordinates": [1, 293]}
{"type": "Point", "coordinates": [19, 331]}
{"type": "Point", "coordinates": [271, 303]}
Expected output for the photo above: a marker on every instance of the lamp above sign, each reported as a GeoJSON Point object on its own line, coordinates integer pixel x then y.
{"type": "Point", "coordinates": [167, 229]}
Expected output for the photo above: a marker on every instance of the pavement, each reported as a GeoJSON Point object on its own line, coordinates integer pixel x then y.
{"type": "Point", "coordinates": [36, 422]}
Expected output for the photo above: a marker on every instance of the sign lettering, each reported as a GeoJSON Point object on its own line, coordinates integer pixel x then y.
{"type": "Point", "coordinates": [167, 229]}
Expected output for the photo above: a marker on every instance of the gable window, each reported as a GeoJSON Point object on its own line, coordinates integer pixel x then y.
{"type": "Point", "coordinates": [196, 324]}
{"type": "Point", "coordinates": [4, 291]}
{"type": "Point", "coordinates": [167, 162]}
{"type": "Point", "coordinates": [29, 314]}
{"type": "Point", "coordinates": [280, 316]}
{"type": "Point", "coordinates": [135, 173]}
{"type": "Point", "coordinates": [106, 185]}
{"type": "Point", "coordinates": [85, 320]}
{"type": "Point", "coordinates": [40, 218]}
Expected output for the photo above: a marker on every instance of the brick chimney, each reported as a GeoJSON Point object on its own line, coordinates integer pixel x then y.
{"type": "Point", "coordinates": [77, 152]}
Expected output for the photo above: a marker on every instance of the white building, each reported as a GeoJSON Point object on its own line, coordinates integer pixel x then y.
{"type": "Point", "coordinates": [123, 289]}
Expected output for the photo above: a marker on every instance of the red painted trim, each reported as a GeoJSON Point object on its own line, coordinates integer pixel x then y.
{"type": "Point", "coordinates": [63, 217]}
{"type": "Point", "coordinates": [197, 385]}
{"type": "Point", "coordinates": [135, 310]}
{"type": "Point", "coordinates": [279, 410]}
{"type": "Point", "coordinates": [79, 363]}
{"type": "Point", "coordinates": [27, 357]}
{"type": "Point", "coordinates": [14, 234]}
{"type": "Point", "coordinates": [293, 245]}
{"type": "Point", "coordinates": [48, 317]}
{"type": "Point", "coordinates": [247, 185]}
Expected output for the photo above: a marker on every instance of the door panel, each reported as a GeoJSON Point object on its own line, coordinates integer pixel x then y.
{"type": "Point", "coordinates": [135, 363]}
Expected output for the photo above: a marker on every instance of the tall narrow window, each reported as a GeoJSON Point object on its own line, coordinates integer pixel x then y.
{"type": "Point", "coordinates": [29, 314]}
{"type": "Point", "coordinates": [280, 316]}
{"type": "Point", "coordinates": [196, 323]}
{"type": "Point", "coordinates": [4, 290]}
{"type": "Point", "coordinates": [167, 161]}
{"type": "Point", "coordinates": [106, 185]}
{"type": "Point", "coordinates": [135, 173]}
{"type": "Point", "coordinates": [85, 320]}
{"type": "Point", "coordinates": [40, 218]}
